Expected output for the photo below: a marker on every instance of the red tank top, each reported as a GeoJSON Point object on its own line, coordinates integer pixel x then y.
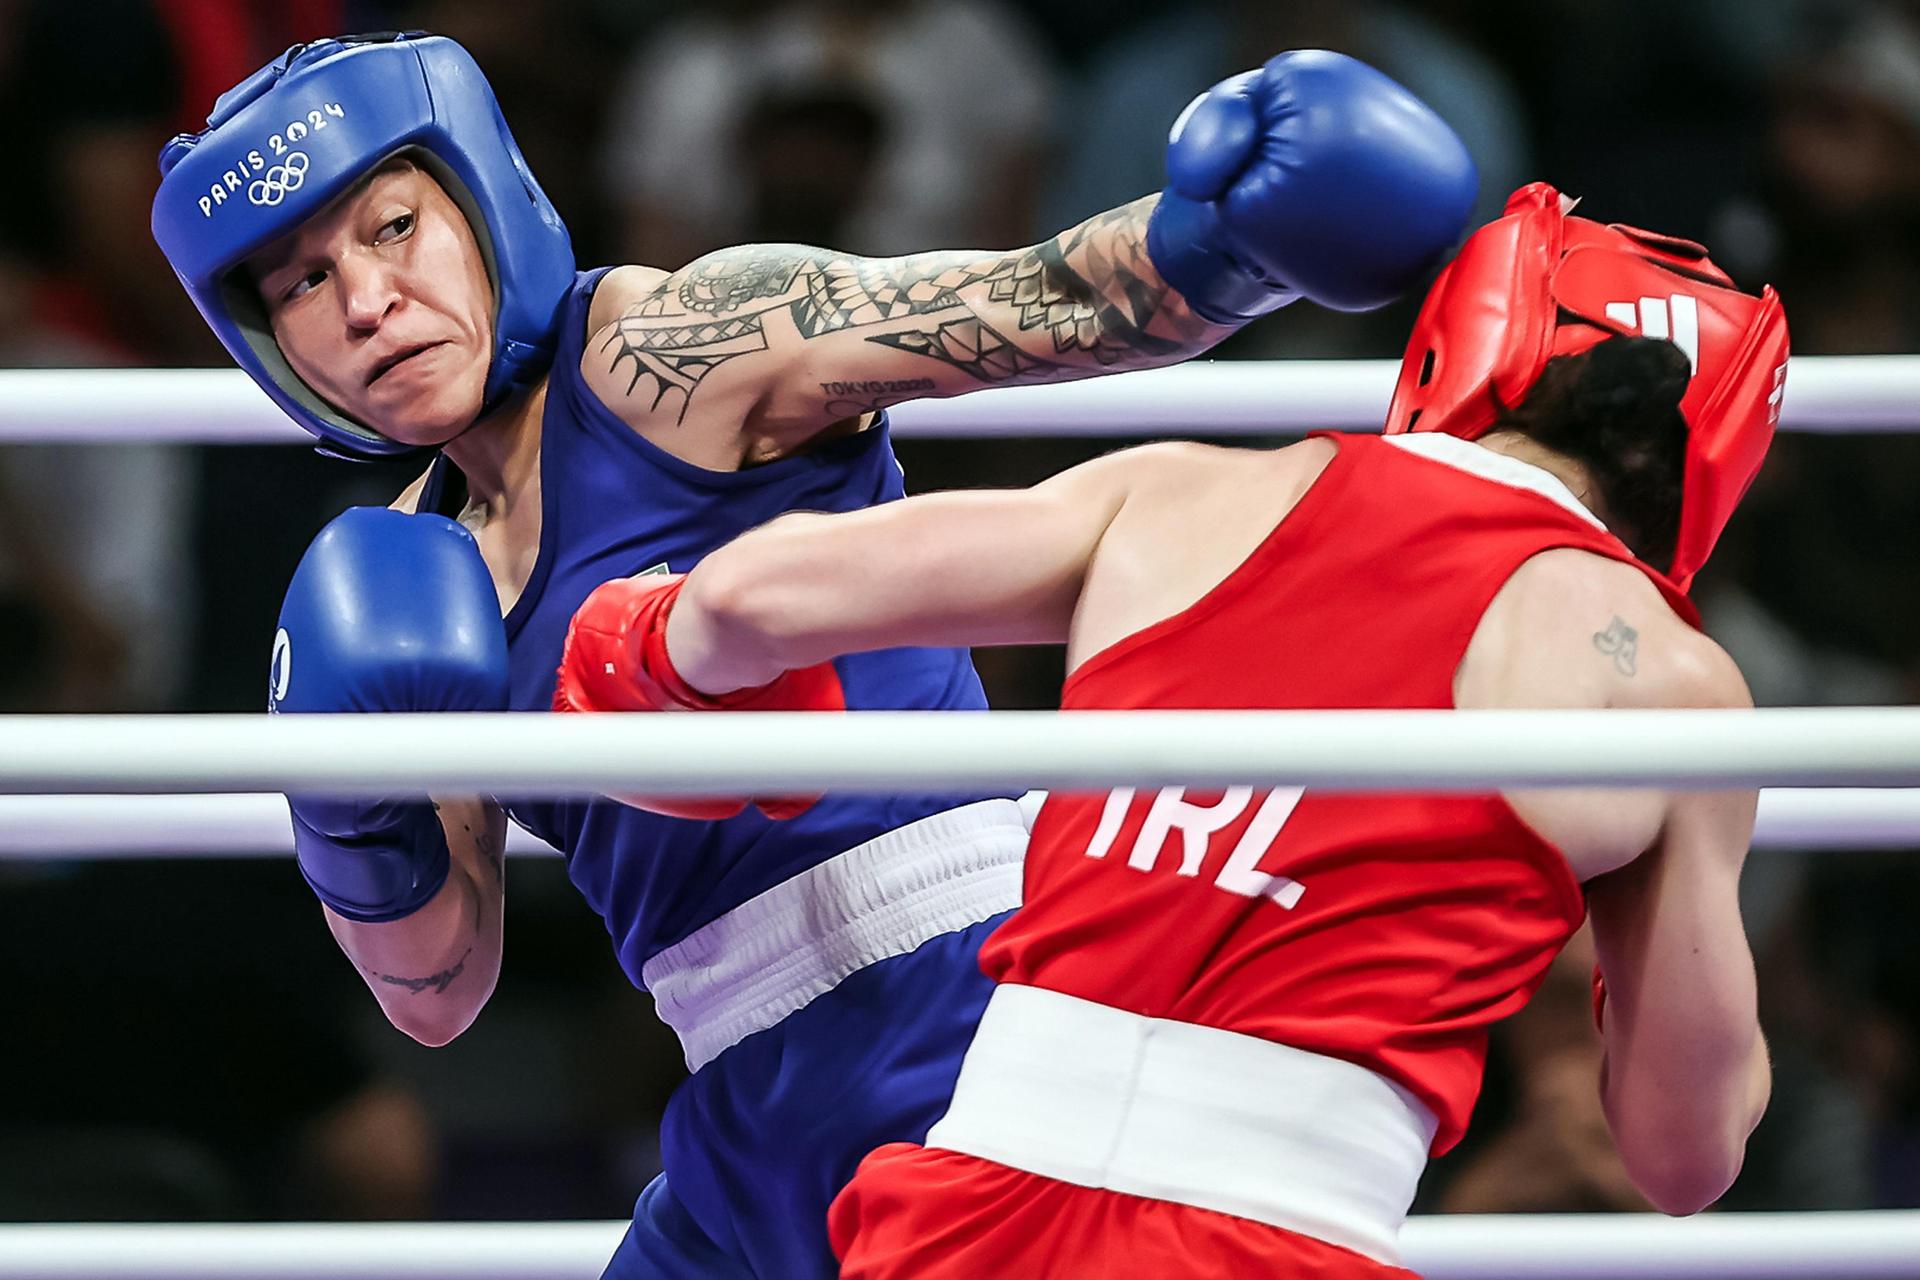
{"type": "Point", "coordinates": [1386, 930]}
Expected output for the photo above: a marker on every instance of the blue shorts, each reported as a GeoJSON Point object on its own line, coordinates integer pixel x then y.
{"type": "Point", "coordinates": [758, 1142]}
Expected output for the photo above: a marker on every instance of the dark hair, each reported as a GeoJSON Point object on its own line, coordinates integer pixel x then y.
{"type": "Point", "coordinates": [1615, 409]}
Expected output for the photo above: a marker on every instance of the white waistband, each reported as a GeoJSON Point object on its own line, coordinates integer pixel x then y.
{"type": "Point", "coordinates": [1100, 1097]}
{"type": "Point", "coordinates": [776, 953]}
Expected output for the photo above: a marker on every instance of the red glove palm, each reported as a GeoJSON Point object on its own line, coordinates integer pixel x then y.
{"type": "Point", "coordinates": [615, 659]}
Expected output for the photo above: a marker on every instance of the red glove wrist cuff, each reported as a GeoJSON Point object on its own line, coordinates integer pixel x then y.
{"type": "Point", "coordinates": [616, 659]}
{"type": "Point", "coordinates": [815, 688]}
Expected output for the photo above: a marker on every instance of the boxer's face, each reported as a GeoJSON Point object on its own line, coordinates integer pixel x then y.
{"type": "Point", "coordinates": [381, 304]}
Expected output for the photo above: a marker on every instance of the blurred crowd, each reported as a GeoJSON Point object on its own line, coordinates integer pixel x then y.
{"type": "Point", "coordinates": [184, 1043]}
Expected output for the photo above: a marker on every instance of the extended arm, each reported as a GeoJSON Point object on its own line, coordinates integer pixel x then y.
{"type": "Point", "coordinates": [993, 567]}
{"type": "Point", "coordinates": [1313, 176]}
{"type": "Point", "coordinates": [785, 339]}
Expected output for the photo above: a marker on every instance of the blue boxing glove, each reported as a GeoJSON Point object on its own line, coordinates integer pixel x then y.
{"type": "Point", "coordinates": [1314, 176]}
{"type": "Point", "coordinates": [387, 612]}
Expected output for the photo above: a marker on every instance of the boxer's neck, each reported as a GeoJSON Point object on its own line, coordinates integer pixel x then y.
{"type": "Point", "coordinates": [1567, 471]}
{"type": "Point", "coordinates": [500, 454]}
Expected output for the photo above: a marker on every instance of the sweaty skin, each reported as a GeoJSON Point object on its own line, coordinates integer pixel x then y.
{"type": "Point", "coordinates": [1118, 544]}
{"type": "Point", "coordinates": [381, 302]}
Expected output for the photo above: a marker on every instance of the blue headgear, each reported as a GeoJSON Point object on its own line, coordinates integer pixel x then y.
{"type": "Point", "coordinates": [295, 134]}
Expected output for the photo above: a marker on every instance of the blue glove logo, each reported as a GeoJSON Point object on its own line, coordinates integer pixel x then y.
{"type": "Point", "coordinates": [280, 669]}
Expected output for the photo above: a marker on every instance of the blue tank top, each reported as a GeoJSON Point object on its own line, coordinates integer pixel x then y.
{"type": "Point", "coordinates": [614, 504]}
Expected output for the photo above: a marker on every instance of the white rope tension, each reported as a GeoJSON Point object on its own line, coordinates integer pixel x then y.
{"type": "Point", "coordinates": [558, 755]}
{"type": "Point", "coordinates": [1739, 1246]}
{"type": "Point", "coordinates": [251, 826]}
{"type": "Point", "coordinates": [1211, 398]}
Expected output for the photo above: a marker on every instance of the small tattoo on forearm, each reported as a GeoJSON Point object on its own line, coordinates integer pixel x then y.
{"type": "Point", "coordinates": [1621, 643]}
{"type": "Point", "coordinates": [439, 981]}
{"type": "Point", "coordinates": [878, 386]}
{"type": "Point", "coordinates": [857, 399]}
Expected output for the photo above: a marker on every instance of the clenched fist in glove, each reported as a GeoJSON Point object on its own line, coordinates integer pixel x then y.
{"type": "Point", "coordinates": [616, 659]}
{"type": "Point", "coordinates": [1314, 176]}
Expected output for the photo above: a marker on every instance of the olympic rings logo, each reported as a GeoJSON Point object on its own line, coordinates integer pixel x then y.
{"type": "Point", "coordinates": [279, 669]}
{"type": "Point", "coordinates": [280, 181]}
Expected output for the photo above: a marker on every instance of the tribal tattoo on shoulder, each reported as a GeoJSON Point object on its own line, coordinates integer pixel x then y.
{"type": "Point", "coordinates": [1084, 302]}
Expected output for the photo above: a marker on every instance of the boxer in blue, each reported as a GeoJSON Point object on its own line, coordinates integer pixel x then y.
{"type": "Point", "coordinates": [358, 227]}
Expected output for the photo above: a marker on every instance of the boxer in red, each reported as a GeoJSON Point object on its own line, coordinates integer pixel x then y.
{"type": "Point", "coordinates": [1231, 1026]}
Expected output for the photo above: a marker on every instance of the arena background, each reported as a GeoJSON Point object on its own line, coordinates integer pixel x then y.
{"type": "Point", "coordinates": [180, 1040]}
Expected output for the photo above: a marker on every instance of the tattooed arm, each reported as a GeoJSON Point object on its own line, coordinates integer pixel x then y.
{"type": "Point", "coordinates": [772, 343]}
{"type": "Point", "coordinates": [433, 970]}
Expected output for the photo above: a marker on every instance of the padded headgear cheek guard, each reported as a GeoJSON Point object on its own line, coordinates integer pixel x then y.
{"type": "Point", "coordinates": [1537, 283]}
{"type": "Point", "coordinates": [290, 138]}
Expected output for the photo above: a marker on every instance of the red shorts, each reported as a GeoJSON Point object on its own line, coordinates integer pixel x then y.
{"type": "Point", "coordinates": [916, 1214]}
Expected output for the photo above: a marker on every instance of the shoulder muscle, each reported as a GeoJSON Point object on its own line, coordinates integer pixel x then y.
{"type": "Point", "coordinates": [1572, 628]}
{"type": "Point", "coordinates": [619, 289]}
{"type": "Point", "coordinates": [1188, 515]}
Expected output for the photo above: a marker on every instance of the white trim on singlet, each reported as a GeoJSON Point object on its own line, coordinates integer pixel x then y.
{"type": "Point", "coordinates": [1465, 455]}
{"type": "Point", "coordinates": [776, 953]}
{"type": "Point", "coordinates": [1099, 1097]}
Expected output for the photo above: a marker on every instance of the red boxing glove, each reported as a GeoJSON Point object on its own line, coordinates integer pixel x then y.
{"type": "Point", "coordinates": [615, 659]}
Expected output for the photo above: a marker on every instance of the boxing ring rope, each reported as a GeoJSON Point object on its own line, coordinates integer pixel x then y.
{"type": "Point", "coordinates": [1753, 1246]}
{"type": "Point", "coordinates": [1213, 398]}
{"type": "Point", "coordinates": [121, 827]}
{"type": "Point", "coordinates": [172, 785]}
{"type": "Point", "coordinates": [796, 753]}
{"type": "Point", "coordinates": [1828, 393]}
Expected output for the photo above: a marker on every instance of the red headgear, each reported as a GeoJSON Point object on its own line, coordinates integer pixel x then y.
{"type": "Point", "coordinates": [1536, 283]}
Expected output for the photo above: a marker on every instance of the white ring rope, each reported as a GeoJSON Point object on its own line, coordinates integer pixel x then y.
{"type": "Point", "coordinates": [253, 826]}
{"type": "Point", "coordinates": [1786, 1246]}
{"type": "Point", "coordinates": [537, 754]}
{"type": "Point", "coordinates": [1210, 398]}
{"type": "Point", "coordinates": [579, 755]}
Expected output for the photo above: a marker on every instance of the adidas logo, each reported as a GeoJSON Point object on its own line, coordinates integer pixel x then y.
{"type": "Point", "coordinates": [1777, 395]}
{"type": "Point", "coordinates": [1675, 318]}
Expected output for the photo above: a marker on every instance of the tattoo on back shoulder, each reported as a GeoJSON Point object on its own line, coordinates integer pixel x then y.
{"type": "Point", "coordinates": [1621, 643]}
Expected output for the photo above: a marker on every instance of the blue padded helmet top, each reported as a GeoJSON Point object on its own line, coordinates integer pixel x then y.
{"type": "Point", "coordinates": [297, 133]}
